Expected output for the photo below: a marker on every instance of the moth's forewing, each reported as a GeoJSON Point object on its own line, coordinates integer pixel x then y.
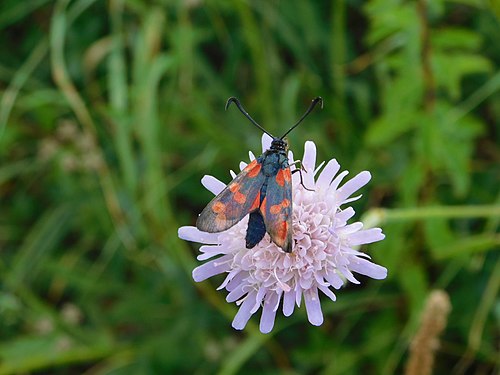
{"type": "Point", "coordinates": [241, 196]}
{"type": "Point", "coordinates": [277, 209]}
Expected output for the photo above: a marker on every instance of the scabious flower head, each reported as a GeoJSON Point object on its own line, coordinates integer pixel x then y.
{"type": "Point", "coordinates": [324, 254]}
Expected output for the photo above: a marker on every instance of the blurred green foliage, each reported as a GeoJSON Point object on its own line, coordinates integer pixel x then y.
{"type": "Point", "coordinates": [111, 112]}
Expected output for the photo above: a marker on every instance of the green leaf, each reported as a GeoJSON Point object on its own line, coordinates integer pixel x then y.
{"type": "Point", "coordinates": [414, 281]}
{"type": "Point", "coordinates": [402, 99]}
{"type": "Point", "coordinates": [40, 241]}
{"type": "Point", "coordinates": [34, 352]}
{"type": "Point", "coordinates": [438, 232]}
{"type": "Point", "coordinates": [450, 38]}
{"type": "Point", "coordinates": [451, 67]}
{"type": "Point", "coordinates": [495, 7]}
{"type": "Point", "coordinates": [457, 149]}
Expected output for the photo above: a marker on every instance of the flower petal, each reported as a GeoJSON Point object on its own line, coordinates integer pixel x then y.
{"type": "Point", "coordinates": [334, 279]}
{"type": "Point", "coordinates": [327, 292]}
{"type": "Point", "coordinates": [313, 306]}
{"type": "Point", "coordinates": [354, 184]}
{"type": "Point", "coordinates": [367, 268]}
{"type": "Point", "coordinates": [193, 234]}
{"type": "Point", "coordinates": [266, 142]}
{"type": "Point", "coordinates": [214, 267]}
{"type": "Point", "coordinates": [351, 228]}
{"type": "Point", "coordinates": [261, 293]}
{"type": "Point", "coordinates": [345, 215]}
{"type": "Point", "coordinates": [236, 293]}
{"type": "Point", "coordinates": [212, 184]}
{"type": "Point", "coordinates": [209, 251]}
{"type": "Point", "coordinates": [244, 313]}
{"type": "Point", "coordinates": [230, 276]}
{"type": "Point", "coordinates": [288, 302]}
{"type": "Point", "coordinates": [366, 236]}
{"type": "Point", "coordinates": [291, 161]}
{"type": "Point", "coordinates": [337, 180]}
{"type": "Point", "coordinates": [236, 281]}
{"type": "Point", "coordinates": [353, 199]}
{"type": "Point", "coordinates": [346, 272]}
{"type": "Point", "coordinates": [309, 163]}
{"type": "Point", "coordinates": [327, 174]}
{"type": "Point", "coordinates": [268, 312]}
{"type": "Point", "coordinates": [318, 168]}
{"type": "Point", "coordinates": [298, 295]}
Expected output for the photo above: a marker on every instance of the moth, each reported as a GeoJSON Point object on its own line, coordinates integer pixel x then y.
{"type": "Point", "coordinates": [263, 189]}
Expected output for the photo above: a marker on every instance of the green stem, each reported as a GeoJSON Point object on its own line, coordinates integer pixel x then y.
{"type": "Point", "coordinates": [20, 78]}
{"type": "Point", "coordinates": [118, 98]}
{"type": "Point", "coordinates": [383, 215]}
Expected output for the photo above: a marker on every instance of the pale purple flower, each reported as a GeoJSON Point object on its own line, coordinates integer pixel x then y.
{"type": "Point", "coordinates": [324, 253]}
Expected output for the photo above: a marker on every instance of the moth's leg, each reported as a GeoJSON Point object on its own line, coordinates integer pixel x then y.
{"type": "Point", "coordinates": [302, 168]}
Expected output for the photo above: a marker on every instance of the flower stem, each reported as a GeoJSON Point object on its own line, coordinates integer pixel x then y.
{"type": "Point", "coordinates": [377, 216]}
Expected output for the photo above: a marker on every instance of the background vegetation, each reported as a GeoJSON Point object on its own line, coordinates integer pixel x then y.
{"type": "Point", "coordinates": [112, 111]}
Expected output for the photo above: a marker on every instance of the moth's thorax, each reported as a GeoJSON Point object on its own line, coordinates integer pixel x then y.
{"type": "Point", "coordinates": [278, 145]}
{"type": "Point", "coordinates": [274, 158]}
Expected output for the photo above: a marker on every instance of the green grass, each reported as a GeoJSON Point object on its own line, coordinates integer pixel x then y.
{"type": "Point", "coordinates": [111, 112]}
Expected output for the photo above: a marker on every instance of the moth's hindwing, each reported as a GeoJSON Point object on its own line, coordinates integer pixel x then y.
{"type": "Point", "coordinates": [276, 208]}
{"type": "Point", "coordinates": [241, 196]}
{"type": "Point", "coordinates": [256, 229]}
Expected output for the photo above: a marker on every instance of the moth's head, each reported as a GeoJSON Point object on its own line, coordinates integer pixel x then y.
{"type": "Point", "coordinates": [279, 144]}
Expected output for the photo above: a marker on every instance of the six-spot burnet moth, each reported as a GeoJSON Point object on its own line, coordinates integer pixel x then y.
{"type": "Point", "coordinates": [263, 189]}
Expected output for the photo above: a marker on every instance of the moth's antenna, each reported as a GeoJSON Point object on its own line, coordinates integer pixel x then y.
{"type": "Point", "coordinates": [315, 101]}
{"type": "Point", "coordinates": [234, 100]}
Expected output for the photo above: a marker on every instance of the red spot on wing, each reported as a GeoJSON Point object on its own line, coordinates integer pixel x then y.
{"type": "Point", "coordinates": [280, 178]}
{"type": "Point", "coordinates": [256, 203]}
{"type": "Point", "coordinates": [276, 208]}
{"type": "Point", "coordinates": [239, 197]}
{"type": "Point", "coordinates": [263, 206]}
{"type": "Point", "coordinates": [287, 175]}
{"type": "Point", "coordinates": [282, 232]}
{"type": "Point", "coordinates": [234, 186]}
{"type": "Point", "coordinates": [283, 176]}
{"type": "Point", "coordinates": [253, 168]}
{"type": "Point", "coordinates": [218, 207]}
